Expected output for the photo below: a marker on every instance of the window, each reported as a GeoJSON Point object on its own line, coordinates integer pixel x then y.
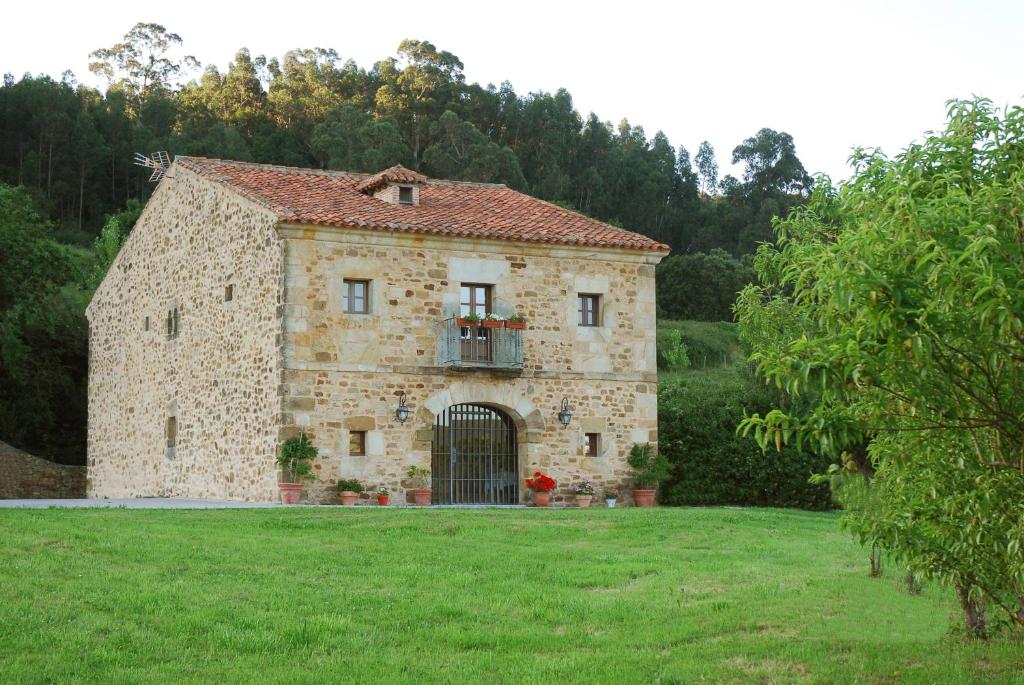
{"type": "Point", "coordinates": [589, 310]}
{"type": "Point", "coordinates": [357, 296]}
{"type": "Point", "coordinates": [357, 443]}
{"type": "Point", "coordinates": [405, 195]}
{"type": "Point", "coordinates": [593, 444]}
{"type": "Point", "coordinates": [171, 432]}
{"type": "Point", "coordinates": [145, 324]}
{"type": "Point", "coordinates": [475, 299]}
{"type": "Point", "coordinates": [172, 323]}
{"type": "Point", "coordinates": [229, 292]}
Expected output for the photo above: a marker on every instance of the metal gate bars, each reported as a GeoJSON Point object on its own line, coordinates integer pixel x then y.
{"type": "Point", "coordinates": [474, 457]}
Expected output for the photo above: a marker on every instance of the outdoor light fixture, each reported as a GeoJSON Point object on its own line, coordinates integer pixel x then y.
{"type": "Point", "coordinates": [565, 416]}
{"type": "Point", "coordinates": [402, 413]}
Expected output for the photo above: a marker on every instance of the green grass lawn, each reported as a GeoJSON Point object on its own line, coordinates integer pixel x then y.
{"type": "Point", "coordinates": [488, 596]}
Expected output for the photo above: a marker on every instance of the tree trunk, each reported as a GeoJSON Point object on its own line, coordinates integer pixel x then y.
{"type": "Point", "coordinates": [975, 622]}
{"type": "Point", "coordinates": [875, 560]}
{"type": "Point", "coordinates": [81, 195]}
{"type": "Point", "coordinates": [913, 584]}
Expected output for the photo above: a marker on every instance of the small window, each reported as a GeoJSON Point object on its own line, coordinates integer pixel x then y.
{"type": "Point", "coordinates": [593, 444]}
{"type": "Point", "coordinates": [589, 310]}
{"type": "Point", "coordinates": [171, 432]}
{"type": "Point", "coordinates": [229, 292]}
{"type": "Point", "coordinates": [357, 296]}
{"type": "Point", "coordinates": [145, 324]}
{"type": "Point", "coordinates": [172, 323]}
{"type": "Point", "coordinates": [405, 195]}
{"type": "Point", "coordinates": [357, 443]}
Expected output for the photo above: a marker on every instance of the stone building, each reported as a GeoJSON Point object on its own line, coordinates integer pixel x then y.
{"type": "Point", "coordinates": [252, 302]}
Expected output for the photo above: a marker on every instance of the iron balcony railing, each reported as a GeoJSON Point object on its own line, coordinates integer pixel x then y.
{"type": "Point", "coordinates": [479, 346]}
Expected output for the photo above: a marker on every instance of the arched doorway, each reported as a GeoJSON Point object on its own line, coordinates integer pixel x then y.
{"type": "Point", "coordinates": [474, 456]}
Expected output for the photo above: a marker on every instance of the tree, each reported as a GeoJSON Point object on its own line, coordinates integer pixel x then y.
{"type": "Point", "coordinates": [142, 61]}
{"type": "Point", "coordinates": [905, 283]}
{"type": "Point", "coordinates": [461, 152]}
{"type": "Point", "coordinates": [707, 168]}
{"type": "Point", "coordinates": [771, 163]}
{"type": "Point", "coordinates": [351, 140]}
{"type": "Point", "coordinates": [421, 91]}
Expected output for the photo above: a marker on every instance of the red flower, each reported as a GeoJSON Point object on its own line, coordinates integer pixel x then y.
{"type": "Point", "coordinates": [541, 482]}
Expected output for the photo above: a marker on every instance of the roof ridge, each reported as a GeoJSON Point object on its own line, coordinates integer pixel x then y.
{"type": "Point", "coordinates": [280, 168]}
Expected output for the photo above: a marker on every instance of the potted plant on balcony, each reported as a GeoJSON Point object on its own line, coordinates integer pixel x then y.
{"type": "Point", "coordinates": [348, 491]}
{"type": "Point", "coordinates": [611, 496]}
{"type": "Point", "coordinates": [649, 469]}
{"type": "Point", "coordinates": [584, 491]}
{"type": "Point", "coordinates": [492, 321]}
{"type": "Point", "coordinates": [419, 478]}
{"type": "Point", "coordinates": [296, 462]}
{"type": "Point", "coordinates": [515, 322]}
{"type": "Point", "coordinates": [383, 496]}
{"type": "Point", "coordinates": [471, 320]}
{"type": "Point", "coordinates": [541, 485]}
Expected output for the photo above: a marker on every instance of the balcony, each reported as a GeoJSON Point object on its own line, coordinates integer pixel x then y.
{"type": "Point", "coordinates": [479, 347]}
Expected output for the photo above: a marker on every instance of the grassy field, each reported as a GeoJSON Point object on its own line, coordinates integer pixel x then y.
{"type": "Point", "coordinates": [482, 596]}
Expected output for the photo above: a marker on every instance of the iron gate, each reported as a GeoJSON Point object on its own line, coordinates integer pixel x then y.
{"type": "Point", "coordinates": [474, 457]}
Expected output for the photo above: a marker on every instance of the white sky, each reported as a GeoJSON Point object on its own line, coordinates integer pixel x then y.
{"type": "Point", "coordinates": [832, 74]}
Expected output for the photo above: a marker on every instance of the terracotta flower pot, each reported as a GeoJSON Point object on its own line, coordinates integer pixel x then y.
{"type": "Point", "coordinates": [466, 323]}
{"type": "Point", "coordinates": [422, 496]}
{"type": "Point", "coordinates": [383, 500]}
{"type": "Point", "coordinates": [541, 499]}
{"type": "Point", "coordinates": [348, 498]}
{"type": "Point", "coordinates": [492, 323]}
{"type": "Point", "coordinates": [583, 501]}
{"type": "Point", "coordinates": [291, 493]}
{"type": "Point", "coordinates": [515, 325]}
{"type": "Point", "coordinates": [644, 498]}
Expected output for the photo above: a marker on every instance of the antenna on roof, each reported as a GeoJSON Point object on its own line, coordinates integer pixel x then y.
{"type": "Point", "coordinates": [159, 162]}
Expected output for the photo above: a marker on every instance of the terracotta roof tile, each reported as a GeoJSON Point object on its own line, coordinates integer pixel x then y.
{"type": "Point", "coordinates": [446, 208]}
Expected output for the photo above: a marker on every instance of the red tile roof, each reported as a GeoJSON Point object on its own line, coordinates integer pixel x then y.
{"type": "Point", "coordinates": [395, 174]}
{"type": "Point", "coordinates": [447, 208]}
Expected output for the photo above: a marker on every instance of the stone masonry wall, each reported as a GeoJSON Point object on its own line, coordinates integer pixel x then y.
{"type": "Point", "coordinates": [343, 372]}
{"type": "Point", "coordinates": [219, 377]}
{"type": "Point", "coordinates": [24, 476]}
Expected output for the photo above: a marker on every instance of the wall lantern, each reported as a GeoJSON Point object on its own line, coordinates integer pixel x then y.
{"type": "Point", "coordinates": [565, 415]}
{"type": "Point", "coordinates": [402, 413]}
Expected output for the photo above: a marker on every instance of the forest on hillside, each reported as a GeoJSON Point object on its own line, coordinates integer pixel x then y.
{"type": "Point", "coordinates": [69, 192]}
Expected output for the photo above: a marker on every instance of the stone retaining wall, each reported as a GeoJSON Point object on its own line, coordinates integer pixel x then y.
{"type": "Point", "coordinates": [23, 476]}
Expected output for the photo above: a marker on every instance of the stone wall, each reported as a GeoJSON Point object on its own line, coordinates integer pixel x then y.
{"type": "Point", "coordinates": [24, 476]}
{"type": "Point", "coordinates": [344, 372]}
{"type": "Point", "coordinates": [219, 377]}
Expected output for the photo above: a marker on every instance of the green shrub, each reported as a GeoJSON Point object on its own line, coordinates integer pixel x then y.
{"type": "Point", "coordinates": [676, 353]}
{"type": "Point", "coordinates": [296, 459]}
{"type": "Point", "coordinates": [649, 466]}
{"type": "Point", "coordinates": [708, 344]}
{"type": "Point", "coordinates": [710, 465]}
{"type": "Point", "coordinates": [350, 485]}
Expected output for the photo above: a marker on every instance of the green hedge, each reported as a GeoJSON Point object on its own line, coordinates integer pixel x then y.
{"type": "Point", "coordinates": [710, 464]}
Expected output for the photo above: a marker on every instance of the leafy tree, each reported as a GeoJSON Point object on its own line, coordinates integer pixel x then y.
{"type": "Point", "coordinates": [771, 164]}
{"type": "Point", "coordinates": [142, 62]}
{"type": "Point", "coordinates": [351, 140]}
{"type": "Point", "coordinates": [905, 284]}
{"type": "Point", "coordinates": [701, 286]}
{"type": "Point", "coordinates": [707, 168]}
{"type": "Point", "coordinates": [461, 152]}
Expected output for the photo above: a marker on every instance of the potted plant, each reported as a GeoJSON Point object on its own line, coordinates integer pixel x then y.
{"type": "Point", "coordinates": [383, 496]}
{"type": "Point", "coordinates": [515, 322]}
{"type": "Point", "coordinates": [296, 462]}
{"type": "Point", "coordinates": [491, 321]}
{"type": "Point", "coordinates": [419, 478]}
{"type": "Point", "coordinates": [541, 485]}
{"type": "Point", "coordinates": [348, 491]}
{"type": "Point", "coordinates": [649, 469]}
{"type": "Point", "coordinates": [611, 496]}
{"type": "Point", "coordinates": [471, 320]}
{"type": "Point", "coordinates": [584, 491]}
